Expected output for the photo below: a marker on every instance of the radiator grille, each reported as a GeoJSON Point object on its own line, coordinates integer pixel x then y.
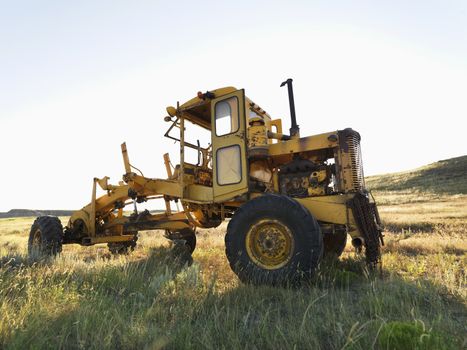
{"type": "Point", "coordinates": [353, 143]}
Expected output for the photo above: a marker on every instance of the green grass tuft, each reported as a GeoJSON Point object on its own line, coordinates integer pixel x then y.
{"type": "Point", "coordinates": [397, 335]}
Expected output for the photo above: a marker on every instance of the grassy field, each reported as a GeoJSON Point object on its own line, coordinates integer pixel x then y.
{"type": "Point", "coordinates": [151, 299]}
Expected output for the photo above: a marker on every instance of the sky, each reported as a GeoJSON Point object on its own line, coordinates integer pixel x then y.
{"type": "Point", "coordinates": [79, 78]}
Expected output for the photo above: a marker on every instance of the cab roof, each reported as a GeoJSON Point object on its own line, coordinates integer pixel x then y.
{"type": "Point", "coordinates": [198, 110]}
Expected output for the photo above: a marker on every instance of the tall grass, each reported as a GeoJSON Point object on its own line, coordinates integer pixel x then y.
{"type": "Point", "coordinates": [152, 299]}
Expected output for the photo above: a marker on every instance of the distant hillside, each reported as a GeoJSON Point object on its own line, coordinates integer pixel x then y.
{"type": "Point", "coordinates": [443, 177]}
{"type": "Point", "coordinates": [15, 213]}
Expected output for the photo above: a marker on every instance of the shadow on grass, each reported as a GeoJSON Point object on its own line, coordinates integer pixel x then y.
{"type": "Point", "coordinates": [163, 302]}
{"type": "Point", "coordinates": [413, 227]}
{"type": "Point", "coordinates": [14, 260]}
{"type": "Point", "coordinates": [417, 250]}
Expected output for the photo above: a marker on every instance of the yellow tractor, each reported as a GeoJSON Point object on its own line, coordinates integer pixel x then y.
{"type": "Point", "coordinates": [290, 200]}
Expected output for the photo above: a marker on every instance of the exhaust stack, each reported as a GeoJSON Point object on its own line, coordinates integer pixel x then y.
{"type": "Point", "coordinates": [295, 129]}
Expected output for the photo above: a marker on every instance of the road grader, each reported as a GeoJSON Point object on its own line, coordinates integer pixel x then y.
{"type": "Point", "coordinates": [290, 200]}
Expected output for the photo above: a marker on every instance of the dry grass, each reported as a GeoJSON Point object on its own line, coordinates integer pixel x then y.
{"type": "Point", "coordinates": [423, 212]}
{"type": "Point", "coordinates": [88, 299]}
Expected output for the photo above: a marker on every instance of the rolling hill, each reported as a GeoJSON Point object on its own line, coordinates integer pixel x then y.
{"type": "Point", "coordinates": [443, 177]}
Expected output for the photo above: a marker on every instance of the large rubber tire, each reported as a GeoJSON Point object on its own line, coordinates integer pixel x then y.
{"type": "Point", "coordinates": [122, 248]}
{"type": "Point", "coordinates": [45, 237]}
{"type": "Point", "coordinates": [334, 244]}
{"type": "Point", "coordinates": [303, 256]}
{"type": "Point", "coordinates": [188, 235]}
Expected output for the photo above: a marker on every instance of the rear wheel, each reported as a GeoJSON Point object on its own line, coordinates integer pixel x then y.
{"type": "Point", "coordinates": [273, 240]}
{"type": "Point", "coordinates": [185, 237]}
{"type": "Point", "coordinates": [334, 243]}
{"type": "Point", "coordinates": [122, 248]}
{"type": "Point", "coordinates": [45, 237]}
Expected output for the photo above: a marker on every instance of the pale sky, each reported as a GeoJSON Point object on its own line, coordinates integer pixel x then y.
{"type": "Point", "coordinates": [78, 78]}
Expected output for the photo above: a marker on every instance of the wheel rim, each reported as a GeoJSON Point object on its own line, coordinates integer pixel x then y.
{"type": "Point", "coordinates": [269, 244]}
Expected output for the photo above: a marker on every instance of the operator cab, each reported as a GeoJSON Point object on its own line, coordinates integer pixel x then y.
{"type": "Point", "coordinates": [248, 154]}
{"type": "Point", "coordinates": [229, 116]}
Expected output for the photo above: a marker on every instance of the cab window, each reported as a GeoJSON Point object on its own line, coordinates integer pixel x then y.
{"type": "Point", "coordinates": [227, 116]}
{"type": "Point", "coordinates": [229, 165]}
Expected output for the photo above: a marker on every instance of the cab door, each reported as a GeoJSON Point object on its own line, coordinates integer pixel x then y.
{"type": "Point", "coordinates": [229, 146]}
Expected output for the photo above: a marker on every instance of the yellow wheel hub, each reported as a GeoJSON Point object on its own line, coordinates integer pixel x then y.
{"type": "Point", "coordinates": [269, 244]}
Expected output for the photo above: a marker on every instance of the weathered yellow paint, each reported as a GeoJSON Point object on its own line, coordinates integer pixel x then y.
{"type": "Point", "coordinates": [199, 194]}
{"type": "Point", "coordinates": [188, 185]}
{"type": "Point", "coordinates": [146, 186]}
{"type": "Point", "coordinates": [227, 191]}
{"type": "Point", "coordinates": [278, 124]}
{"type": "Point", "coordinates": [270, 244]}
{"type": "Point", "coordinates": [126, 160]}
{"type": "Point", "coordinates": [110, 239]}
{"type": "Point", "coordinates": [99, 205]}
{"type": "Point", "coordinates": [217, 93]}
{"type": "Point", "coordinates": [105, 203]}
{"type": "Point", "coordinates": [304, 144]}
{"type": "Point", "coordinates": [331, 209]}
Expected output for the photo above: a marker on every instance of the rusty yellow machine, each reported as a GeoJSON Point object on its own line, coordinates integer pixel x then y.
{"type": "Point", "coordinates": [291, 200]}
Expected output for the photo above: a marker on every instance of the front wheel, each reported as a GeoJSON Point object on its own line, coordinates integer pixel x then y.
{"type": "Point", "coordinates": [45, 237]}
{"type": "Point", "coordinates": [273, 240]}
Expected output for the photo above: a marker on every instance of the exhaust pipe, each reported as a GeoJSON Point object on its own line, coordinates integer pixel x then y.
{"type": "Point", "coordinates": [295, 129]}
